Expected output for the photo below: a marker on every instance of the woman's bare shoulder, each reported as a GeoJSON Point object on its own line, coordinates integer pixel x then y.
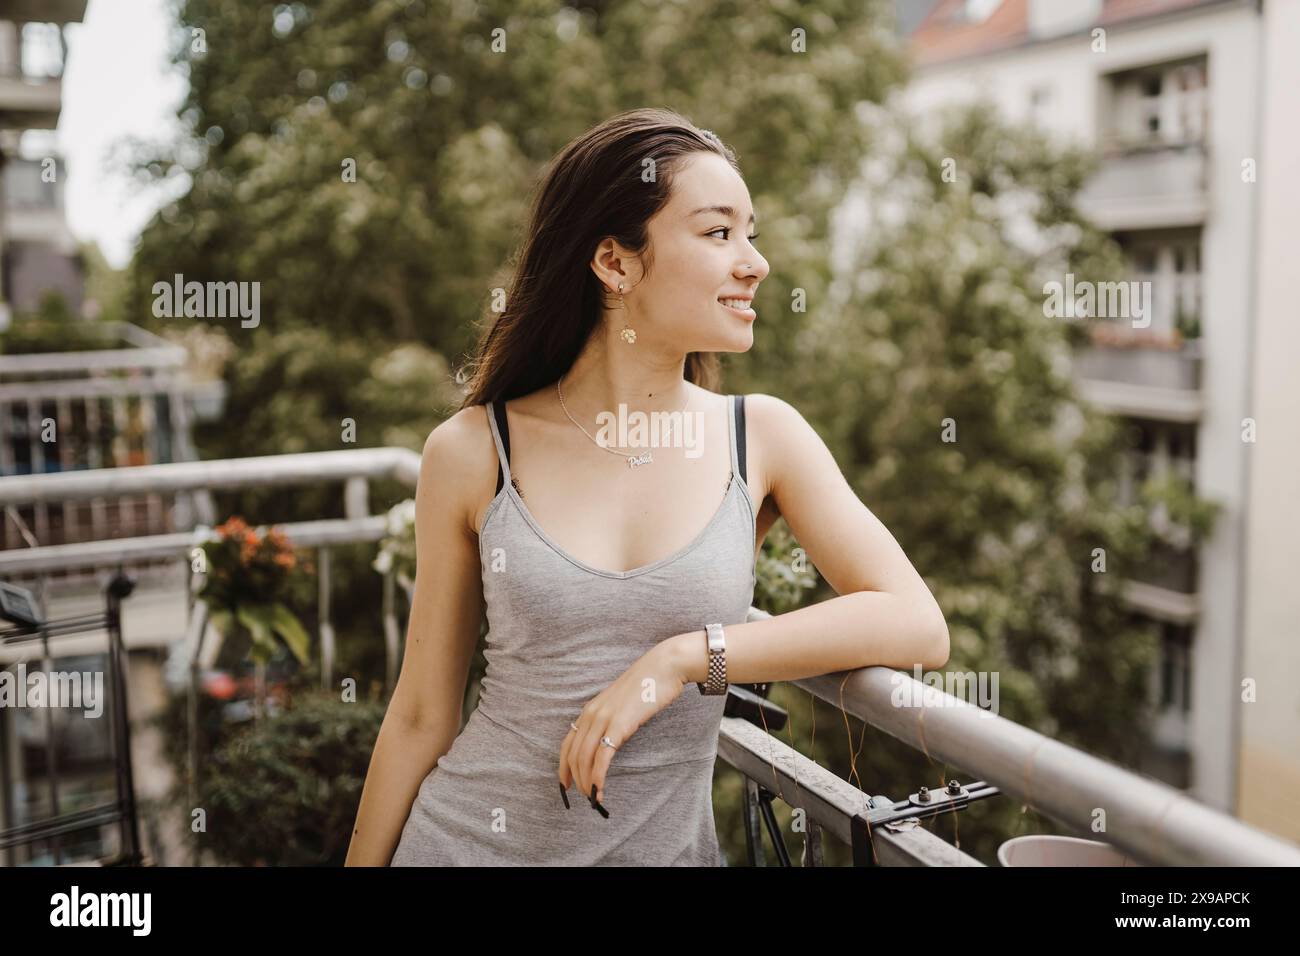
{"type": "Point", "coordinates": [768, 421]}
{"type": "Point", "coordinates": [460, 458]}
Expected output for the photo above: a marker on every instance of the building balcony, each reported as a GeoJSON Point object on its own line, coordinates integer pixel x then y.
{"type": "Point", "coordinates": [127, 402]}
{"type": "Point", "coordinates": [1176, 369]}
{"type": "Point", "coordinates": [33, 51]}
{"type": "Point", "coordinates": [996, 757]}
{"type": "Point", "coordinates": [1174, 569]}
{"type": "Point", "coordinates": [1145, 374]}
{"type": "Point", "coordinates": [38, 226]}
{"type": "Point", "coordinates": [30, 102]}
{"type": "Point", "coordinates": [26, 189]}
{"type": "Point", "coordinates": [1155, 186]}
{"type": "Point", "coordinates": [1166, 585]}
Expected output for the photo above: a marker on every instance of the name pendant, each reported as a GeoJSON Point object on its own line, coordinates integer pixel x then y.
{"type": "Point", "coordinates": [645, 459]}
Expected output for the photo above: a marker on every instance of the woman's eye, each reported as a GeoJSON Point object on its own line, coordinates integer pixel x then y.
{"type": "Point", "coordinates": [727, 229]}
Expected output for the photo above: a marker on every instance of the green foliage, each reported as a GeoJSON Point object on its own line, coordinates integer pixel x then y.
{"type": "Point", "coordinates": [448, 137]}
{"type": "Point", "coordinates": [105, 286]}
{"type": "Point", "coordinates": [265, 622]}
{"type": "Point", "coordinates": [1178, 516]}
{"type": "Point", "coordinates": [285, 791]}
{"type": "Point", "coordinates": [782, 576]}
{"type": "Point", "coordinates": [1187, 323]}
{"type": "Point", "coordinates": [52, 327]}
{"type": "Point", "coordinates": [293, 392]}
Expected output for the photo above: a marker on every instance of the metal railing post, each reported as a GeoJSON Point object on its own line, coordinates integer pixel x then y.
{"type": "Point", "coordinates": [326, 627]}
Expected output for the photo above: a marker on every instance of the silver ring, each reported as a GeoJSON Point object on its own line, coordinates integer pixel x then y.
{"type": "Point", "coordinates": [608, 743]}
{"type": "Point", "coordinates": [573, 725]}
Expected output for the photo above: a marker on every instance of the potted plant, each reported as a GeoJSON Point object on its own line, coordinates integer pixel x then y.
{"type": "Point", "coordinates": [1177, 524]}
{"type": "Point", "coordinates": [247, 578]}
{"type": "Point", "coordinates": [1188, 323]}
{"type": "Point", "coordinates": [1179, 519]}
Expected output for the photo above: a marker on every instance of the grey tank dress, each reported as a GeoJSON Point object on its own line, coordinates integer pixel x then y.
{"type": "Point", "coordinates": [560, 632]}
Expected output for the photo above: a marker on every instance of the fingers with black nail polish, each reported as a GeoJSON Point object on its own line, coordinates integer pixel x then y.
{"type": "Point", "coordinates": [596, 803]}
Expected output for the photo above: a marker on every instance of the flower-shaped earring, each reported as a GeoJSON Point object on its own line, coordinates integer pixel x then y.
{"type": "Point", "coordinates": [628, 333]}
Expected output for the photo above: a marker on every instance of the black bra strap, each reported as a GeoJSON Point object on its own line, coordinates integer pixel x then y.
{"type": "Point", "coordinates": [739, 401]}
{"type": "Point", "coordinates": [503, 429]}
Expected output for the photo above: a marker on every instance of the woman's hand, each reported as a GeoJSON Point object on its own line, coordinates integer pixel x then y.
{"type": "Point", "coordinates": [644, 689]}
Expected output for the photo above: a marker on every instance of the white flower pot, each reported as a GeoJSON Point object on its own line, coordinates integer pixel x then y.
{"type": "Point", "coordinates": [1040, 850]}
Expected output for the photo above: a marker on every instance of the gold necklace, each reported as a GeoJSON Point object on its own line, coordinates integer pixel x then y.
{"type": "Point", "coordinates": [633, 461]}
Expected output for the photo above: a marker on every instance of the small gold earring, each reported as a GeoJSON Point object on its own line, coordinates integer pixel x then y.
{"type": "Point", "coordinates": [628, 333]}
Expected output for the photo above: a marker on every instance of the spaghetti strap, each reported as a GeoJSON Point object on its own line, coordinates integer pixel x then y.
{"type": "Point", "coordinates": [736, 428]}
{"type": "Point", "coordinates": [501, 436]}
{"type": "Point", "coordinates": [738, 436]}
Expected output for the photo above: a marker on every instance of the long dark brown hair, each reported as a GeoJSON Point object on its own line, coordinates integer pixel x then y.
{"type": "Point", "coordinates": [593, 189]}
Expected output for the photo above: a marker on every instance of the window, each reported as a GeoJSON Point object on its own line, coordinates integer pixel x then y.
{"type": "Point", "coordinates": [1040, 99]}
{"type": "Point", "coordinates": [1176, 667]}
{"type": "Point", "coordinates": [1161, 105]}
{"type": "Point", "coordinates": [1170, 260]}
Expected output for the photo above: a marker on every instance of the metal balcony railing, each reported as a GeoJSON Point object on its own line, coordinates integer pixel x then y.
{"type": "Point", "coordinates": [35, 566]}
{"type": "Point", "coordinates": [355, 468]}
{"type": "Point", "coordinates": [127, 403]}
{"type": "Point", "coordinates": [1169, 368]}
{"type": "Point", "coordinates": [1153, 823]}
{"type": "Point", "coordinates": [29, 189]}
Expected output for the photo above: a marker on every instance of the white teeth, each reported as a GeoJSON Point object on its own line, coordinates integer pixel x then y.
{"type": "Point", "coordinates": [735, 303]}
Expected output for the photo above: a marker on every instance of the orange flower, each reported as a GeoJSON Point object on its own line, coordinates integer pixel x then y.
{"type": "Point", "coordinates": [233, 527]}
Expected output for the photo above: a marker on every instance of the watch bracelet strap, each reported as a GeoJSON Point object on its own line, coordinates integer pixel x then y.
{"type": "Point", "coordinates": [717, 675]}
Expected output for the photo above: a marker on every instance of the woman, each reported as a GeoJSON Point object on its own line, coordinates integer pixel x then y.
{"type": "Point", "coordinates": [617, 594]}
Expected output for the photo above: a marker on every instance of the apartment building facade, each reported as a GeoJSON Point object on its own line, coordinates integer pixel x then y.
{"type": "Point", "coordinates": [1190, 105]}
{"type": "Point", "coordinates": [38, 252]}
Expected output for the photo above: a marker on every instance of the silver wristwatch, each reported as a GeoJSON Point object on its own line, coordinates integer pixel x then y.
{"type": "Point", "coordinates": [717, 679]}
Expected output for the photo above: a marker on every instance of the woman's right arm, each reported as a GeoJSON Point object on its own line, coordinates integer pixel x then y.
{"type": "Point", "coordinates": [424, 712]}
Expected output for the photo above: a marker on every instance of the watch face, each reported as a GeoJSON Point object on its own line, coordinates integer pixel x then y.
{"type": "Point", "coordinates": [715, 638]}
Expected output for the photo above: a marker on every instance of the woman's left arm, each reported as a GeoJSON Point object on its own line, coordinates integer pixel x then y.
{"type": "Point", "coordinates": [884, 614]}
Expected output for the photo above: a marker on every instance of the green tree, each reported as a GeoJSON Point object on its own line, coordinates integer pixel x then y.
{"type": "Point", "coordinates": [448, 133]}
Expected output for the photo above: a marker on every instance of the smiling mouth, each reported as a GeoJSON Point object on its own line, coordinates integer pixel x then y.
{"type": "Point", "coordinates": [740, 307]}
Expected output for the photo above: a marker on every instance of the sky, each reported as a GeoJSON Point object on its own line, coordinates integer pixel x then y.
{"type": "Point", "coordinates": [117, 82]}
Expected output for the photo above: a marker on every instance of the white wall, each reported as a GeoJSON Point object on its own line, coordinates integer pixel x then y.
{"type": "Point", "coordinates": [1270, 726]}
